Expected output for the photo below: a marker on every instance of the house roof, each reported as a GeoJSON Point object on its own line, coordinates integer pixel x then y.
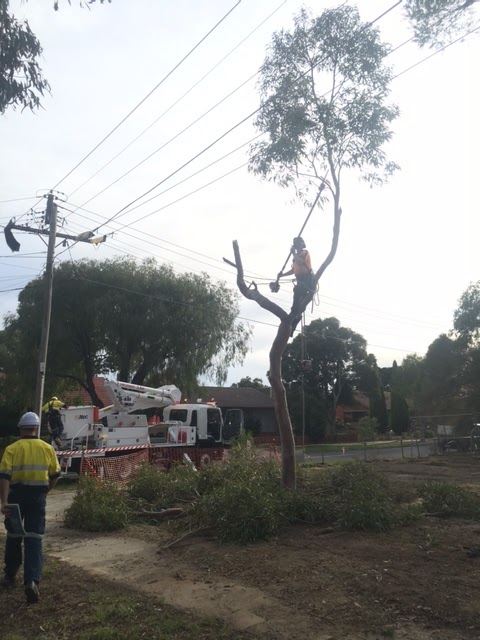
{"type": "Point", "coordinates": [99, 383]}
{"type": "Point", "coordinates": [230, 397]}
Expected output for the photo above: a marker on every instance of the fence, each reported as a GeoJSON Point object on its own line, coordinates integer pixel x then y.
{"type": "Point", "coordinates": [121, 469]}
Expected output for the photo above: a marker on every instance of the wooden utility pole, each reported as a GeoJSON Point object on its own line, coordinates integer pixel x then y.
{"type": "Point", "coordinates": [51, 219]}
{"type": "Point", "coordinates": [51, 222]}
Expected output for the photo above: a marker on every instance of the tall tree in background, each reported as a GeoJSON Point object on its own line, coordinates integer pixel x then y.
{"type": "Point", "coordinates": [371, 382]}
{"type": "Point", "coordinates": [139, 319]}
{"type": "Point", "coordinates": [400, 414]}
{"type": "Point", "coordinates": [256, 383]}
{"type": "Point", "coordinates": [436, 22]}
{"type": "Point", "coordinates": [21, 81]}
{"type": "Point", "coordinates": [325, 89]}
{"type": "Point", "coordinates": [338, 364]}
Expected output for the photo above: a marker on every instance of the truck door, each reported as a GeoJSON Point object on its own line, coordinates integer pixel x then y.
{"type": "Point", "coordinates": [233, 425]}
{"type": "Point", "coordinates": [214, 424]}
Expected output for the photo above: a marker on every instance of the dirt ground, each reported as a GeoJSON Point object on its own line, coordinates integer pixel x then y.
{"type": "Point", "coordinates": [415, 583]}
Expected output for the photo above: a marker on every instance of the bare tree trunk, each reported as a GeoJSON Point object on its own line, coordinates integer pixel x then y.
{"type": "Point", "coordinates": [284, 330]}
{"type": "Point", "coordinates": [280, 404]}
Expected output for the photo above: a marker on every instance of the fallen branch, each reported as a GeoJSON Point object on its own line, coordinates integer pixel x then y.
{"type": "Point", "coordinates": [185, 535]}
{"type": "Point", "coordinates": [161, 515]}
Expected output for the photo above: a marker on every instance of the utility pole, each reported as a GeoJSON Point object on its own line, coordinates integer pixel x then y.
{"type": "Point", "coordinates": [51, 222]}
{"type": "Point", "coordinates": [51, 219]}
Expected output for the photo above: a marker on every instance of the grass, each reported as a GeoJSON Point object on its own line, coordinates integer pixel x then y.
{"type": "Point", "coordinates": [75, 604]}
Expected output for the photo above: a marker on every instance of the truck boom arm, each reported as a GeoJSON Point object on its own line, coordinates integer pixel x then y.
{"type": "Point", "coordinates": [129, 398]}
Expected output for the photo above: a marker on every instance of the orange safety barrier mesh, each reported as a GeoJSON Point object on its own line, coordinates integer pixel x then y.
{"type": "Point", "coordinates": [165, 457]}
{"type": "Point", "coordinates": [119, 469]}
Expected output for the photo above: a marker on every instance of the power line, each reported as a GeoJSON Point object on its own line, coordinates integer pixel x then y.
{"type": "Point", "coordinates": [465, 35]}
{"type": "Point", "coordinates": [174, 104]}
{"type": "Point", "coordinates": [187, 195]}
{"type": "Point", "coordinates": [150, 92]}
{"type": "Point", "coordinates": [17, 199]}
{"type": "Point", "coordinates": [192, 175]}
{"type": "Point", "coordinates": [177, 135]}
{"type": "Point", "coordinates": [238, 124]}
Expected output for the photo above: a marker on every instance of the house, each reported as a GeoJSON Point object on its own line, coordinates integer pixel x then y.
{"type": "Point", "coordinates": [256, 404]}
{"type": "Point", "coordinates": [353, 413]}
{"type": "Point", "coordinates": [81, 397]}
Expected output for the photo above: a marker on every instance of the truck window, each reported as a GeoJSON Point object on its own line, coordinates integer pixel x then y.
{"type": "Point", "coordinates": [214, 422]}
{"type": "Point", "coordinates": [179, 415]}
{"type": "Point", "coordinates": [193, 422]}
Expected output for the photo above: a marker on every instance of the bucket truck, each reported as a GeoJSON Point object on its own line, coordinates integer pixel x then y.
{"type": "Point", "coordinates": [118, 428]}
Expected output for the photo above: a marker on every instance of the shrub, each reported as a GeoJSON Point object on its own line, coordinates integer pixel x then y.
{"type": "Point", "coordinates": [245, 508]}
{"type": "Point", "coordinates": [161, 489]}
{"type": "Point", "coordinates": [450, 500]}
{"type": "Point", "coordinates": [97, 506]}
{"type": "Point", "coordinates": [356, 497]}
{"type": "Point", "coordinates": [367, 429]}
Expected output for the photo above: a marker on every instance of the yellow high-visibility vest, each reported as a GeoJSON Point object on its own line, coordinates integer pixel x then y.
{"type": "Point", "coordinates": [29, 461]}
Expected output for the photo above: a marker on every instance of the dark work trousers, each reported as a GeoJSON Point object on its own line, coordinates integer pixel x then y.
{"type": "Point", "coordinates": [56, 424]}
{"type": "Point", "coordinates": [32, 502]}
{"type": "Point", "coordinates": [302, 288]}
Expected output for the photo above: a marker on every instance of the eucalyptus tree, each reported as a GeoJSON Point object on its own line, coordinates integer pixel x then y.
{"type": "Point", "coordinates": [325, 109]}
{"type": "Point", "coordinates": [436, 22]}
{"type": "Point", "coordinates": [21, 79]}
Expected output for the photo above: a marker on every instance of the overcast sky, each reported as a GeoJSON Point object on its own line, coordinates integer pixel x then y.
{"type": "Point", "coordinates": [407, 250]}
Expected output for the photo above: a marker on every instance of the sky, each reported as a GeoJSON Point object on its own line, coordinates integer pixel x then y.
{"type": "Point", "coordinates": [407, 250]}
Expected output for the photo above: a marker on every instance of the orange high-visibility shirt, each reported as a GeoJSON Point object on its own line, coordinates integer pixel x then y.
{"type": "Point", "coordinates": [301, 263]}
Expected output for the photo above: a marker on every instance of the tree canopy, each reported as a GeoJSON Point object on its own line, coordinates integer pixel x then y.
{"type": "Point", "coordinates": [21, 79]}
{"type": "Point", "coordinates": [436, 22]}
{"type": "Point", "coordinates": [338, 364]}
{"type": "Point", "coordinates": [141, 320]}
{"type": "Point", "coordinates": [324, 86]}
{"type": "Point", "coordinates": [256, 383]}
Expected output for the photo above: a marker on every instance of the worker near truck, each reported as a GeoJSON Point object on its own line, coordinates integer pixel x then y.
{"type": "Point", "coordinates": [302, 270]}
{"type": "Point", "coordinates": [29, 469]}
{"type": "Point", "coordinates": [55, 424]}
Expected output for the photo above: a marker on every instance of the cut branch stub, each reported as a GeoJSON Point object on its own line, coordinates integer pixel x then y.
{"type": "Point", "coordinates": [254, 294]}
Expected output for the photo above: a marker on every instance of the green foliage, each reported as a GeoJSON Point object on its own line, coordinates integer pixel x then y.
{"type": "Point", "coordinates": [155, 325]}
{"type": "Point", "coordinates": [97, 506]}
{"type": "Point", "coordinates": [400, 414]}
{"type": "Point", "coordinates": [450, 500]}
{"type": "Point", "coordinates": [324, 86]}
{"type": "Point", "coordinates": [247, 507]}
{"type": "Point", "coordinates": [161, 489]}
{"type": "Point", "coordinates": [437, 22]}
{"type": "Point", "coordinates": [466, 319]}
{"type": "Point", "coordinates": [356, 497]}
{"type": "Point", "coordinates": [256, 383]}
{"type": "Point", "coordinates": [367, 429]}
{"type": "Point", "coordinates": [21, 80]}
{"type": "Point", "coordinates": [339, 363]}
{"type": "Point", "coordinates": [243, 500]}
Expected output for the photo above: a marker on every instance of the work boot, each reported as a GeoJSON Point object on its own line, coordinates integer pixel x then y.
{"type": "Point", "coordinates": [58, 442]}
{"type": "Point", "coordinates": [7, 582]}
{"type": "Point", "coordinates": [32, 592]}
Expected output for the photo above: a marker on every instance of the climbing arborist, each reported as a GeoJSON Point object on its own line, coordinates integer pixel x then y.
{"type": "Point", "coordinates": [55, 424]}
{"type": "Point", "coordinates": [302, 270]}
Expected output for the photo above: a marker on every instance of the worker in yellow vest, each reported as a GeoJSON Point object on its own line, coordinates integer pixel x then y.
{"type": "Point", "coordinates": [55, 424]}
{"type": "Point", "coordinates": [28, 470]}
